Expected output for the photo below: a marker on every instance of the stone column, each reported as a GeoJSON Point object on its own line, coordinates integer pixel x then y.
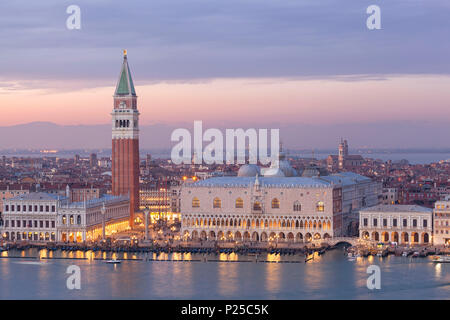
{"type": "Point", "coordinates": [146, 212]}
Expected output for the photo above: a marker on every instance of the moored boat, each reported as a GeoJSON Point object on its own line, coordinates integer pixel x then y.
{"type": "Point", "coordinates": [442, 259]}
{"type": "Point", "coordinates": [113, 261]}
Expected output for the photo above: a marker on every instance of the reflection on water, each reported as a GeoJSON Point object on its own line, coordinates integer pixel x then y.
{"type": "Point", "coordinates": [228, 257]}
{"type": "Point", "coordinates": [227, 279]}
{"type": "Point", "coordinates": [224, 276]}
{"type": "Point", "coordinates": [272, 277]}
{"type": "Point", "coordinates": [438, 270]}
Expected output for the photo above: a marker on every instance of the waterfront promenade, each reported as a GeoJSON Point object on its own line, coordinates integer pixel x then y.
{"type": "Point", "coordinates": [364, 248]}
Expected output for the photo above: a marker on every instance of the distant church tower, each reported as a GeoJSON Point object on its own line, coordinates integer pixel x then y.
{"type": "Point", "coordinates": [125, 140]}
{"type": "Point", "coordinates": [343, 153]}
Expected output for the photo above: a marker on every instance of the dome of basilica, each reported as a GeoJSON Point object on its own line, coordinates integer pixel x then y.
{"type": "Point", "coordinates": [288, 171]}
{"type": "Point", "coordinates": [273, 172]}
{"type": "Point", "coordinates": [249, 170]}
{"type": "Point", "coordinates": [313, 170]}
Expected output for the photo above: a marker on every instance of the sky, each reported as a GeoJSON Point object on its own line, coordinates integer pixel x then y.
{"type": "Point", "coordinates": [234, 63]}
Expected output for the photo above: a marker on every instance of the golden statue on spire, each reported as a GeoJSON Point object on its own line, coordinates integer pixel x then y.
{"type": "Point", "coordinates": [125, 52]}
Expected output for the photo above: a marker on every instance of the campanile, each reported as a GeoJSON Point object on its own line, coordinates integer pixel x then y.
{"type": "Point", "coordinates": [125, 140]}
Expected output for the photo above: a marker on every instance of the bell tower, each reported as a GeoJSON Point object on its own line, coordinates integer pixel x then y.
{"type": "Point", "coordinates": [125, 140]}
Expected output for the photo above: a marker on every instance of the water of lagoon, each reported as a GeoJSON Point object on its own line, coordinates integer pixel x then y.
{"type": "Point", "coordinates": [330, 276]}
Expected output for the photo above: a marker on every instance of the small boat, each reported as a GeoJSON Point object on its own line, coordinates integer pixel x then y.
{"type": "Point", "coordinates": [404, 254]}
{"type": "Point", "coordinates": [442, 259]}
{"type": "Point", "coordinates": [113, 261]}
{"type": "Point", "coordinates": [415, 254]}
{"type": "Point", "coordinates": [379, 254]}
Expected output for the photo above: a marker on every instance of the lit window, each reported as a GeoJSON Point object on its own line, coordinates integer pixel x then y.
{"type": "Point", "coordinates": [257, 206]}
{"type": "Point", "coordinates": [320, 207]}
{"type": "Point", "coordinates": [195, 203]}
{"type": "Point", "coordinates": [239, 203]}
{"type": "Point", "coordinates": [275, 203]}
{"type": "Point", "coordinates": [217, 203]}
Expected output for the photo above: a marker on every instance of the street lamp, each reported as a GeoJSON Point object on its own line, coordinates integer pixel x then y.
{"type": "Point", "coordinates": [103, 211]}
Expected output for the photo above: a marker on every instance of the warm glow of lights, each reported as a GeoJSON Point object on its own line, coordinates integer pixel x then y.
{"type": "Point", "coordinates": [273, 257]}
{"type": "Point", "coordinates": [48, 151]}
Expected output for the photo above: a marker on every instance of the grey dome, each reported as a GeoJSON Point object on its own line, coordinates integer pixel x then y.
{"type": "Point", "coordinates": [288, 171]}
{"type": "Point", "coordinates": [249, 170]}
{"type": "Point", "coordinates": [274, 172]}
{"type": "Point", "coordinates": [314, 170]}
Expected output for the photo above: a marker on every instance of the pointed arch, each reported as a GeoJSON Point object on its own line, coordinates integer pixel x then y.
{"type": "Point", "coordinates": [264, 236]}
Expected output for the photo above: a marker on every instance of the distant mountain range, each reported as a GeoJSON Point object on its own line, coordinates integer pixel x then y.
{"type": "Point", "coordinates": [294, 136]}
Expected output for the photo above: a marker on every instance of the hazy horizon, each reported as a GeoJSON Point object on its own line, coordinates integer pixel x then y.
{"type": "Point", "coordinates": [48, 135]}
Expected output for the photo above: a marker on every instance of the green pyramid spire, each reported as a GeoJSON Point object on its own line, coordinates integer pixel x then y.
{"type": "Point", "coordinates": [125, 86]}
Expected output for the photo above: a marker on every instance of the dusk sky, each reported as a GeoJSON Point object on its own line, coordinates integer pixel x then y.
{"type": "Point", "coordinates": [235, 63]}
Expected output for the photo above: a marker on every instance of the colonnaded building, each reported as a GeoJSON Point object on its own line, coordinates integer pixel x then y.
{"type": "Point", "coordinates": [403, 224]}
{"type": "Point", "coordinates": [40, 216]}
{"type": "Point", "coordinates": [92, 219]}
{"type": "Point", "coordinates": [275, 204]}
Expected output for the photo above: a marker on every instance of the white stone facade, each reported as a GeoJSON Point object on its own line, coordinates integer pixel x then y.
{"type": "Point", "coordinates": [83, 221]}
{"type": "Point", "coordinates": [31, 217]}
{"type": "Point", "coordinates": [442, 223]}
{"type": "Point", "coordinates": [125, 122]}
{"type": "Point", "coordinates": [403, 224]}
{"type": "Point", "coordinates": [295, 209]}
{"type": "Point", "coordinates": [47, 217]}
